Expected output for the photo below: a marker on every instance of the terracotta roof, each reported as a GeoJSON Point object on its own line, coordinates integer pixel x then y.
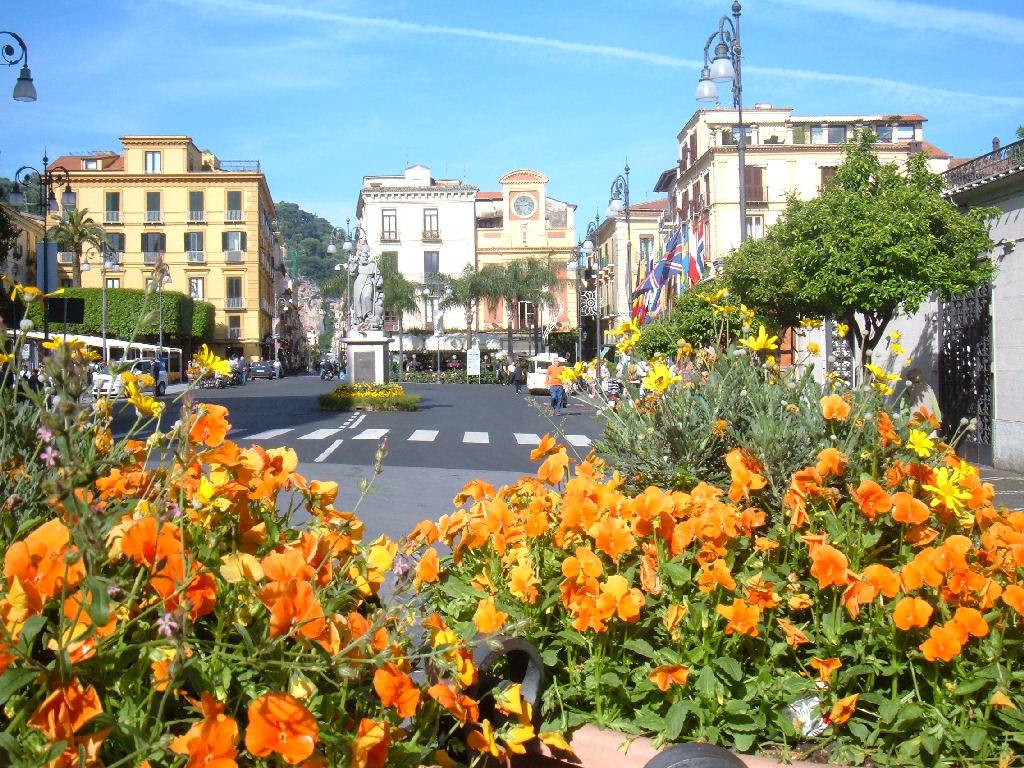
{"type": "Point", "coordinates": [106, 162]}
{"type": "Point", "coordinates": [482, 195]}
{"type": "Point", "coordinates": [932, 151]}
{"type": "Point", "coordinates": [654, 206]}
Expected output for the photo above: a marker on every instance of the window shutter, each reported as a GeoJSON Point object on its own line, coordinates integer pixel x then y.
{"type": "Point", "coordinates": [243, 240]}
{"type": "Point", "coordinates": [223, 241]}
{"type": "Point", "coordinates": [161, 239]}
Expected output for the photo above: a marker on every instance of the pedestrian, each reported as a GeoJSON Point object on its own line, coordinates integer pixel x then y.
{"type": "Point", "coordinates": [518, 376]}
{"type": "Point", "coordinates": [556, 386]}
{"type": "Point", "coordinates": [277, 368]}
{"type": "Point", "coordinates": [508, 373]}
{"type": "Point", "coordinates": [501, 374]}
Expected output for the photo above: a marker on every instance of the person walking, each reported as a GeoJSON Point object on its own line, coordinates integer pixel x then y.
{"type": "Point", "coordinates": [518, 376]}
{"type": "Point", "coordinates": [556, 386]}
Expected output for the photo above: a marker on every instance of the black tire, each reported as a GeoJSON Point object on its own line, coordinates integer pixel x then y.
{"type": "Point", "coordinates": [695, 755]}
{"type": "Point", "coordinates": [160, 389]}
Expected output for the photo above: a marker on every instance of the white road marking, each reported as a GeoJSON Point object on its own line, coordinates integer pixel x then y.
{"type": "Point", "coordinates": [358, 420]}
{"type": "Point", "coordinates": [527, 438]}
{"type": "Point", "coordinates": [320, 434]}
{"type": "Point", "coordinates": [579, 441]}
{"type": "Point", "coordinates": [329, 451]}
{"type": "Point", "coordinates": [423, 436]}
{"type": "Point", "coordinates": [371, 434]}
{"type": "Point", "coordinates": [268, 434]}
{"type": "Point", "coordinates": [476, 437]}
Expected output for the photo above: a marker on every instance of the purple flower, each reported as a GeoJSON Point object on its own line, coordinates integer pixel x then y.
{"type": "Point", "coordinates": [166, 625]}
{"type": "Point", "coordinates": [113, 590]}
{"type": "Point", "coordinates": [44, 434]}
{"type": "Point", "coordinates": [49, 456]}
{"type": "Point", "coordinates": [401, 565]}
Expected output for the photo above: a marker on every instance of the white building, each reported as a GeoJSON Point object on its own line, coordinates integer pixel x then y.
{"type": "Point", "coordinates": [423, 225]}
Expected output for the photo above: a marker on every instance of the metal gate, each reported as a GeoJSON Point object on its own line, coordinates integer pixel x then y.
{"type": "Point", "coordinates": [965, 370]}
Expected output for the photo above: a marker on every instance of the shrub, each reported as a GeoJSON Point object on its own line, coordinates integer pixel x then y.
{"type": "Point", "coordinates": [368, 397]}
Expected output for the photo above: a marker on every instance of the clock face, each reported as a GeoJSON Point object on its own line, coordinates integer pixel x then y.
{"type": "Point", "coordinates": [523, 205]}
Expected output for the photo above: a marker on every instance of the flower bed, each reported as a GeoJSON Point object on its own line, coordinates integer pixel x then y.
{"type": "Point", "coordinates": [368, 397]}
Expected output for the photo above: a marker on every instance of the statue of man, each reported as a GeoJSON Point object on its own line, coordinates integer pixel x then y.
{"type": "Point", "coordinates": [367, 293]}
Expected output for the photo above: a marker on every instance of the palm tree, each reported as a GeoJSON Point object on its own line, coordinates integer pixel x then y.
{"type": "Point", "coordinates": [72, 231]}
{"type": "Point", "coordinates": [531, 280]}
{"type": "Point", "coordinates": [399, 297]}
{"type": "Point", "coordinates": [463, 292]}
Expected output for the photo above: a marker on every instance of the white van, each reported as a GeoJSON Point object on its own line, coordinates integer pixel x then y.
{"type": "Point", "coordinates": [537, 372]}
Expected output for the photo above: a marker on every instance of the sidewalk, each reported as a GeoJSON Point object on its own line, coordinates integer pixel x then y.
{"type": "Point", "coordinates": [1009, 486]}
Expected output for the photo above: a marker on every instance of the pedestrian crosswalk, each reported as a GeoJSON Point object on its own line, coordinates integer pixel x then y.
{"type": "Point", "coordinates": [415, 436]}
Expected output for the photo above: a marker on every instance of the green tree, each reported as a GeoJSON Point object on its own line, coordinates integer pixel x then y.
{"type": "Point", "coordinates": [72, 231]}
{"type": "Point", "coordinates": [399, 297]}
{"type": "Point", "coordinates": [532, 280]}
{"type": "Point", "coordinates": [464, 291]}
{"type": "Point", "coordinates": [873, 245]}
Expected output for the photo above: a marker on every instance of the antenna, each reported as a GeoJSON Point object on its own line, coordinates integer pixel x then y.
{"type": "Point", "coordinates": [406, 158]}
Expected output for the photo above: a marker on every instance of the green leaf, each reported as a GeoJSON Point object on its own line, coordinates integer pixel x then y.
{"type": "Point", "coordinates": [29, 631]}
{"type": "Point", "coordinates": [742, 742]}
{"type": "Point", "coordinates": [731, 667]}
{"type": "Point", "coordinates": [930, 742]}
{"type": "Point", "coordinates": [611, 679]}
{"type": "Point", "coordinates": [744, 723]}
{"type": "Point", "coordinates": [675, 718]}
{"type": "Point", "coordinates": [889, 710]}
{"type": "Point", "coordinates": [970, 686]}
{"type": "Point", "coordinates": [707, 682]}
{"type": "Point", "coordinates": [649, 721]}
{"type": "Point", "coordinates": [975, 738]}
{"type": "Point", "coordinates": [14, 679]}
{"type": "Point", "coordinates": [908, 714]}
{"type": "Point", "coordinates": [859, 730]}
{"type": "Point", "coordinates": [641, 646]}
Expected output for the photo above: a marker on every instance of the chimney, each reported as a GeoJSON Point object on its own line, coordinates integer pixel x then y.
{"type": "Point", "coordinates": [995, 144]}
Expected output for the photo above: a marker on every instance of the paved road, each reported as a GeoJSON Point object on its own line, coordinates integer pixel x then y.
{"type": "Point", "coordinates": [460, 432]}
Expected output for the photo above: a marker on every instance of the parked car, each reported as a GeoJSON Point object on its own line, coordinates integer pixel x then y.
{"type": "Point", "coordinates": [261, 369]}
{"type": "Point", "coordinates": [107, 384]}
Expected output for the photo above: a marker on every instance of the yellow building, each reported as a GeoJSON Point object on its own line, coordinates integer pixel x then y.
{"type": "Point", "coordinates": [167, 205]}
{"type": "Point", "coordinates": [18, 264]}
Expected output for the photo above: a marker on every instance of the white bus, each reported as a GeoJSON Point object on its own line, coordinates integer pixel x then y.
{"type": "Point", "coordinates": [537, 372]}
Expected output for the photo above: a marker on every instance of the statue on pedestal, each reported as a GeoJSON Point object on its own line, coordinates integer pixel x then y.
{"type": "Point", "coordinates": [367, 293]}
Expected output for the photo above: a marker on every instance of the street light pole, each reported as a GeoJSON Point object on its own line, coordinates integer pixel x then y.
{"type": "Point", "coordinates": [161, 277]}
{"type": "Point", "coordinates": [725, 68]}
{"type": "Point", "coordinates": [620, 204]}
{"type": "Point", "coordinates": [47, 180]}
{"type": "Point", "coordinates": [24, 89]}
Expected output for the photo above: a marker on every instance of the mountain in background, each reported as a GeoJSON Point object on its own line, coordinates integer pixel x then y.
{"type": "Point", "coordinates": [306, 237]}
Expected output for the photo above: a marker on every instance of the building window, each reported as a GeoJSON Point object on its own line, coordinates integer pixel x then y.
{"type": "Point", "coordinates": [196, 206]}
{"type": "Point", "coordinates": [527, 314]}
{"type": "Point", "coordinates": [234, 326]}
{"type": "Point", "coordinates": [194, 247]}
{"type": "Point", "coordinates": [430, 230]}
{"type": "Point", "coordinates": [755, 227]}
{"type": "Point", "coordinates": [153, 208]}
{"type": "Point", "coordinates": [91, 165]}
{"type": "Point", "coordinates": [153, 162]}
{"type": "Point", "coordinates": [113, 282]}
{"type": "Point", "coordinates": [389, 224]}
{"type": "Point", "coordinates": [430, 265]}
{"type": "Point", "coordinates": [116, 244]}
{"type": "Point", "coordinates": [828, 173]}
{"type": "Point", "coordinates": [904, 133]}
{"type": "Point", "coordinates": [646, 250]}
{"type": "Point", "coordinates": [233, 241]}
{"type": "Point", "coordinates": [884, 133]}
{"type": "Point", "coordinates": [233, 292]}
{"type": "Point", "coordinates": [112, 208]}
{"type": "Point", "coordinates": [754, 178]}
{"type": "Point", "coordinates": [66, 282]}
{"type": "Point", "coordinates": [828, 134]}
{"type": "Point", "coordinates": [234, 212]}
{"type": "Point", "coordinates": [153, 245]}
{"type": "Point", "coordinates": [196, 288]}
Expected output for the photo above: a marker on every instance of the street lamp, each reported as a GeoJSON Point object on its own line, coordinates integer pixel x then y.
{"type": "Point", "coordinates": [725, 68]}
{"type": "Point", "coordinates": [161, 276]}
{"type": "Point", "coordinates": [24, 89]}
{"type": "Point", "coordinates": [347, 247]}
{"type": "Point", "coordinates": [106, 265]}
{"type": "Point", "coordinates": [618, 204]}
{"type": "Point", "coordinates": [47, 180]}
{"type": "Point", "coordinates": [588, 250]}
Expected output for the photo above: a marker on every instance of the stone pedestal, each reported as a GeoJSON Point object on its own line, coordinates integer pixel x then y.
{"type": "Point", "coordinates": [367, 358]}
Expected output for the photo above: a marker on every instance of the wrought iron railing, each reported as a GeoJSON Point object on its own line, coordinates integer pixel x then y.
{"type": "Point", "coordinates": [234, 215]}
{"type": "Point", "coordinates": [240, 165]}
{"type": "Point", "coordinates": [234, 302]}
{"type": "Point", "coordinates": [196, 216]}
{"type": "Point", "coordinates": [111, 217]}
{"type": "Point", "coordinates": [1008, 158]}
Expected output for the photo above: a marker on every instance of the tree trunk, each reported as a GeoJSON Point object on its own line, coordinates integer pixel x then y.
{"type": "Point", "coordinates": [76, 268]}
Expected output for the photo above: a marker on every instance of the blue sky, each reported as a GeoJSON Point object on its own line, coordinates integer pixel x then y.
{"type": "Point", "coordinates": [323, 92]}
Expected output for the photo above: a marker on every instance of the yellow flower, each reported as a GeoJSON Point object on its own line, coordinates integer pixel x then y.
{"type": "Point", "coordinates": [842, 329]}
{"type": "Point", "coordinates": [814, 348]}
{"type": "Point", "coordinates": [920, 443]}
{"type": "Point", "coordinates": [629, 326]}
{"type": "Point", "coordinates": [29, 294]}
{"type": "Point", "coordinates": [947, 490]}
{"type": "Point", "coordinates": [144, 404]}
{"type": "Point", "coordinates": [881, 375]}
{"type": "Point", "coordinates": [713, 297]}
{"type": "Point", "coordinates": [659, 378]}
{"type": "Point", "coordinates": [210, 363]}
{"type": "Point", "coordinates": [895, 335]}
{"type": "Point", "coordinates": [724, 309]}
{"type": "Point", "coordinates": [5, 358]}
{"type": "Point", "coordinates": [761, 342]}
{"type": "Point", "coordinates": [810, 322]}
{"type": "Point", "coordinates": [898, 349]}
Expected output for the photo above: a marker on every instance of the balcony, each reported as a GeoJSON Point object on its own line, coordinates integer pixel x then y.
{"type": "Point", "coordinates": [1001, 162]}
{"type": "Point", "coordinates": [151, 257]}
{"type": "Point", "coordinates": [154, 217]}
{"type": "Point", "coordinates": [65, 257]}
{"type": "Point", "coordinates": [197, 217]}
{"type": "Point", "coordinates": [234, 216]}
{"type": "Point", "coordinates": [234, 302]}
{"type": "Point", "coordinates": [234, 257]}
{"type": "Point", "coordinates": [111, 217]}
{"type": "Point", "coordinates": [757, 196]}
{"type": "Point", "coordinates": [389, 236]}
{"type": "Point", "coordinates": [195, 257]}
{"type": "Point", "coordinates": [431, 235]}
{"type": "Point", "coordinates": [234, 333]}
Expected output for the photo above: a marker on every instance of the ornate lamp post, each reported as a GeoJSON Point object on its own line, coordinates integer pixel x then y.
{"type": "Point", "coordinates": [106, 265]}
{"type": "Point", "coordinates": [24, 89]}
{"type": "Point", "coordinates": [162, 277]}
{"type": "Point", "coordinates": [725, 68]}
{"type": "Point", "coordinates": [347, 246]}
{"type": "Point", "coordinates": [48, 180]}
{"type": "Point", "coordinates": [619, 204]}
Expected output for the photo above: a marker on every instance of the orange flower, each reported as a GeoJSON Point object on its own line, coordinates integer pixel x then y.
{"type": "Point", "coordinates": [462, 707]}
{"type": "Point", "coordinates": [907, 509]}
{"type": "Point", "coordinates": [522, 583]}
{"type": "Point", "coordinates": [829, 567]}
{"type": "Point", "coordinates": [857, 593]}
{"type": "Point", "coordinates": [428, 568]}
{"type": "Point", "coordinates": [872, 500]}
{"type": "Point", "coordinates": [211, 742]}
{"type": "Point", "coordinates": [714, 575]}
{"type": "Point", "coordinates": [886, 431]}
{"type": "Point", "coordinates": [761, 593]}
{"type": "Point", "coordinates": [673, 674]}
{"type": "Point", "coordinates": [843, 709]}
{"type": "Point", "coordinates": [1013, 596]}
{"type": "Point", "coordinates": [883, 579]}
{"type": "Point", "coordinates": [744, 475]}
{"type": "Point", "coordinates": [834, 407]}
{"type": "Point", "coordinates": [293, 608]}
{"type": "Point", "coordinates": [826, 667]}
{"type": "Point", "coordinates": [483, 740]}
{"type": "Point", "coordinates": [1001, 701]}
{"type": "Point", "coordinates": [63, 713]}
{"type": "Point", "coordinates": [488, 618]}
{"type": "Point", "coordinates": [761, 544]}
{"type": "Point", "coordinates": [278, 722]}
{"type": "Point", "coordinates": [547, 446]}
{"type": "Point", "coordinates": [211, 428]}
{"type": "Point", "coordinates": [794, 636]}
{"type": "Point", "coordinates": [831, 462]}
{"type": "Point", "coordinates": [552, 471]}
{"type": "Point", "coordinates": [478, 490]}
{"type": "Point", "coordinates": [943, 643]}
{"type": "Point", "coordinates": [800, 602]}
{"type": "Point", "coordinates": [912, 612]}
{"type": "Point", "coordinates": [971, 620]}
{"type": "Point", "coordinates": [673, 615]}
{"type": "Point", "coordinates": [396, 688]}
{"type": "Point", "coordinates": [618, 598]}
{"type": "Point", "coordinates": [611, 536]}
{"type": "Point", "coordinates": [742, 618]}
{"type": "Point", "coordinates": [585, 565]}
{"type": "Point", "coordinates": [370, 749]}
{"type": "Point", "coordinates": [650, 580]}
{"type": "Point", "coordinates": [41, 561]}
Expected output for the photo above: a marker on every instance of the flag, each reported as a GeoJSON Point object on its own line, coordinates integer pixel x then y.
{"type": "Point", "coordinates": [696, 271]}
{"type": "Point", "coordinates": [674, 252]}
